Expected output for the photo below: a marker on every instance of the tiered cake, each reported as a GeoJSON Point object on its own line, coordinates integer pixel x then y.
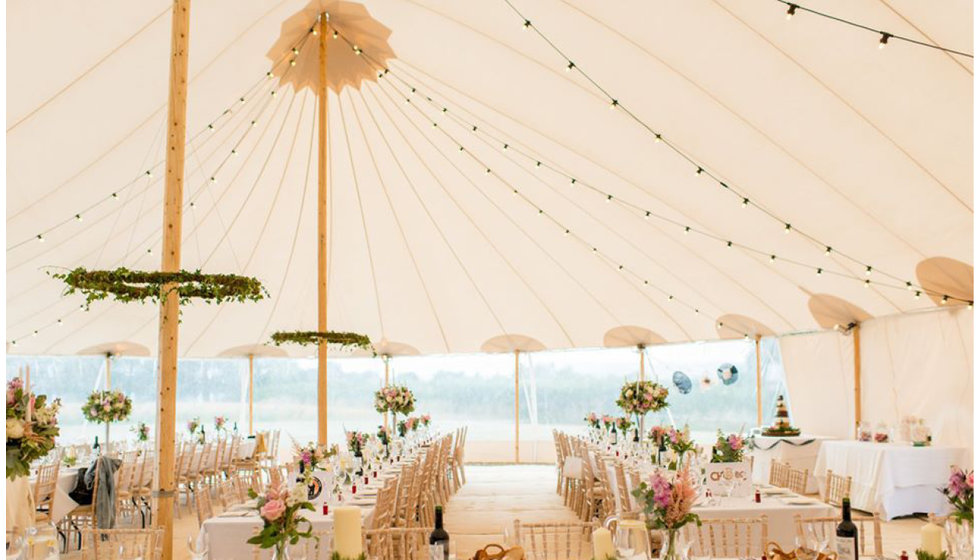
{"type": "Point", "coordinates": [781, 427]}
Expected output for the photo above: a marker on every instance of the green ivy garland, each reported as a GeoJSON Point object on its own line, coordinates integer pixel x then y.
{"type": "Point", "coordinates": [137, 285]}
{"type": "Point", "coordinates": [312, 338]}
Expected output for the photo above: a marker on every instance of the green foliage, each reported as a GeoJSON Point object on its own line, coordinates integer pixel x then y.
{"type": "Point", "coordinates": [923, 555]}
{"type": "Point", "coordinates": [126, 285]}
{"type": "Point", "coordinates": [313, 338]}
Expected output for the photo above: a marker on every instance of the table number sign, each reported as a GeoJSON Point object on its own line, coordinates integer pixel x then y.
{"type": "Point", "coordinates": [321, 484]}
{"type": "Point", "coordinates": [736, 477]}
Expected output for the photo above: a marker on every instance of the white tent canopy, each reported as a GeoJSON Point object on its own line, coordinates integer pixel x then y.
{"type": "Point", "coordinates": [864, 150]}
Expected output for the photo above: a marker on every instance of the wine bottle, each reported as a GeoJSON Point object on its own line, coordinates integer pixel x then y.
{"type": "Point", "coordinates": [847, 534]}
{"type": "Point", "coordinates": [95, 446]}
{"type": "Point", "coordinates": [615, 437]}
{"type": "Point", "coordinates": [439, 539]}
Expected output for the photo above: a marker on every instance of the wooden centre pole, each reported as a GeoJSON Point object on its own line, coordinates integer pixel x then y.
{"type": "Point", "coordinates": [640, 348]}
{"type": "Point", "coordinates": [108, 371]}
{"type": "Point", "coordinates": [517, 406]}
{"type": "Point", "coordinates": [857, 377]}
{"type": "Point", "coordinates": [251, 393]}
{"type": "Point", "coordinates": [321, 291]}
{"type": "Point", "coordinates": [170, 262]}
{"type": "Point", "coordinates": [758, 379]}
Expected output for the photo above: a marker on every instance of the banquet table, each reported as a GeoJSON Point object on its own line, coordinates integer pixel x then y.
{"type": "Point", "coordinates": [19, 510]}
{"type": "Point", "coordinates": [799, 451]}
{"type": "Point", "coordinates": [891, 479]}
{"type": "Point", "coordinates": [779, 505]}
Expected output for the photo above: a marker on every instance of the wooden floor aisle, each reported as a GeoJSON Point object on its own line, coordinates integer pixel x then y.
{"type": "Point", "coordinates": [494, 496]}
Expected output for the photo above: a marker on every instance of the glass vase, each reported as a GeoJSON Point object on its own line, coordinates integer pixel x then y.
{"type": "Point", "coordinates": [670, 549]}
{"type": "Point", "coordinates": [281, 551]}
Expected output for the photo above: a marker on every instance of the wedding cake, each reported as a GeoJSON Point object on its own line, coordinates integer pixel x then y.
{"type": "Point", "coordinates": [781, 427]}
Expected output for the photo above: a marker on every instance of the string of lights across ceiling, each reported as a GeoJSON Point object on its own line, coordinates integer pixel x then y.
{"type": "Point", "coordinates": [793, 8]}
{"type": "Point", "coordinates": [508, 147]}
{"type": "Point", "coordinates": [191, 203]}
{"type": "Point", "coordinates": [154, 169]}
{"type": "Point", "coordinates": [702, 170]}
{"type": "Point", "coordinates": [606, 258]}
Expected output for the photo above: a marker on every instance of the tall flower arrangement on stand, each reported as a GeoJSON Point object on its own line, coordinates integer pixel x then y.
{"type": "Point", "coordinates": [680, 442]}
{"type": "Point", "coordinates": [396, 399]}
{"type": "Point", "coordinates": [637, 398]}
{"type": "Point", "coordinates": [667, 501]}
{"type": "Point", "coordinates": [32, 426]}
{"type": "Point", "coordinates": [106, 407]}
{"type": "Point", "coordinates": [142, 431]}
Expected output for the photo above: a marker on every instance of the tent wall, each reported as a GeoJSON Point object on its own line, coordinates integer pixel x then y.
{"type": "Point", "coordinates": [912, 365]}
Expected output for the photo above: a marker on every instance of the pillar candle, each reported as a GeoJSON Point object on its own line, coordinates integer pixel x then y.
{"type": "Point", "coordinates": [932, 539]}
{"type": "Point", "coordinates": [347, 531]}
{"type": "Point", "coordinates": [602, 545]}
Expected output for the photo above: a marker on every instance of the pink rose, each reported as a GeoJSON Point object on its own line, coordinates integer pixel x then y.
{"type": "Point", "coordinates": [272, 510]}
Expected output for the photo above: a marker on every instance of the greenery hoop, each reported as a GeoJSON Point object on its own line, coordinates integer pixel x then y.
{"type": "Point", "coordinates": [313, 338]}
{"type": "Point", "coordinates": [126, 285]}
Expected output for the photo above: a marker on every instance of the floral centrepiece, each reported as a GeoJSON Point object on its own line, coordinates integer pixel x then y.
{"type": "Point", "coordinates": [384, 435]}
{"type": "Point", "coordinates": [624, 424]}
{"type": "Point", "coordinates": [680, 442]}
{"type": "Point", "coordinates": [355, 442]}
{"type": "Point", "coordinates": [728, 449]}
{"type": "Point", "coordinates": [32, 426]}
{"type": "Point", "coordinates": [640, 397]}
{"type": "Point", "coordinates": [193, 425]}
{"type": "Point", "coordinates": [142, 431]}
{"type": "Point", "coordinates": [311, 456]}
{"type": "Point", "coordinates": [959, 493]}
{"type": "Point", "coordinates": [409, 424]}
{"type": "Point", "coordinates": [220, 423]}
{"type": "Point", "coordinates": [592, 419]}
{"type": "Point", "coordinates": [608, 422]}
{"type": "Point", "coordinates": [658, 435]}
{"type": "Point", "coordinates": [106, 407]}
{"type": "Point", "coordinates": [425, 420]}
{"type": "Point", "coordinates": [281, 523]}
{"type": "Point", "coordinates": [667, 501]}
{"type": "Point", "coordinates": [396, 399]}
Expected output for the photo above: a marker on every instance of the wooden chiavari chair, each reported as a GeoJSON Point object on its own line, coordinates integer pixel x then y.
{"type": "Point", "coordinates": [397, 543]}
{"type": "Point", "coordinates": [796, 480]}
{"type": "Point", "coordinates": [44, 489]}
{"type": "Point", "coordinates": [122, 544]}
{"type": "Point", "coordinates": [826, 528]}
{"type": "Point", "coordinates": [569, 540]}
{"type": "Point", "coordinates": [202, 504]}
{"type": "Point", "coordinates": [837, 487]}
{"type": "Point", "coordinates": [728, 538]}
{"type": "Point", "coordinates": [778, 473]}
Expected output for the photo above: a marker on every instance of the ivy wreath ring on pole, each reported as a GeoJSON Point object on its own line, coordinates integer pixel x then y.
{"type": "Point", "coordinates": [312, 338]}
{"type": "Point", "coordinates": [126, 285]}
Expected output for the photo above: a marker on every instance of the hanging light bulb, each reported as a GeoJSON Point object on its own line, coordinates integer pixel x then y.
{"type": "Point", "coordinates": [78, 217]}
{"type": "Point", "coordinates": [527, 24]}
{"type": "Point", "coordinates": [570, 66]}
{"type": "Point", "coordinates": [827, 251]}
{"type": "Point", "coordinates": [945, 300]}
{"type": "Point", "coordinates": [515, 192]}
{"type": "Point", "coordinates": [670, 298]}
{"type": "Point", "coordinates": [613, 104]}
{"type": "Point", "coordinates": [867, 283]}
{"type": "Point", "coordinates": [40, 238]}
{"type": "Point", "coordinates": [729, 244]}
{"type": "Point", "coordinates": [698, 171]}
{"type": "Point", "coordinates": [657, 138]}
{"type": "Point", "coordinates": [687, 230]}
{"type": "Point", "coordinates": [918, 294]}
{"type": "Point", "coordinates": [908, 286]}
{"type": "Point", "coordinates": [647, 215]}
{"type": "Point", "coordinates": [115, 195]}
{"type": "Point", "coordinates": [609, 198]}
{"type": "Point", "coordinates": [149, 173]}
{"type": "Point", "coordinates": [292, 62]}
{"type": "Point", "coordinates": [61, 323]}
{"type": "Point", "coordinates": [884, 40]}
{"type": "Point", "coordinates": [537, 164]}
{"type": "Point", "coordinates": [772, 258]}
{"type": "Point", "coordinates": [745, 202]}
{"type": "Point", "coordinates": [295, 50]}
{"type": "Point", "coordinates": [213, 179]}
{"type": "Point", "coordinates": [819, 271]}
{"type": "Point", "coordinates": [335, 34]}
{"type": "Point", "coordinates": [791, 12]}
{"type": "Point", "coordinates": [787, 228]}
{"type": "Point", "coordinates": [567, 232]}
{"type": "Point", "coordinates": [34, 333]}
{"type": "Point", "coordinates": [969, 305]}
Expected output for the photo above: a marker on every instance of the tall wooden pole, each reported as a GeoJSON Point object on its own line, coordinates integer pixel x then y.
{"type": "Point", "coordinates": [173, 199]}
{"type": "Point", "coordinates": [857, 376]}
{"type": "Point", "coordinates": [251, 393]}
{"type": "Point", "coordinates": [321, 203]}
{"type": "Point", "coordinates": [386, 358]}
{"type": "Point", "coordinates": [108, 371]}
{"type": "Point", "coordinates": [758, 379]}
{"type": "Point", "coordinates": [517, 406]}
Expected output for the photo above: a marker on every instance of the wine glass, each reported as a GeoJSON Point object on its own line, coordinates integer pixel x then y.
{"type": "Point", "coordinates": [805, 548]}
{"type": "Point", "coordinates": [631, 539]}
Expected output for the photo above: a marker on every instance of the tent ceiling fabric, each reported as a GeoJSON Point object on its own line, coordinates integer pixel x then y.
{"type": "Point", "coordinates": [867, 150]}
{"type": "Point", "coordinates": [122, 348]}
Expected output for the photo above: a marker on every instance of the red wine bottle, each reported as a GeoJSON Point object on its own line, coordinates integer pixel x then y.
{"type": "Point", "coordinates": [847, 534]}
{"type": "Point", "coordinates": [439, 539]}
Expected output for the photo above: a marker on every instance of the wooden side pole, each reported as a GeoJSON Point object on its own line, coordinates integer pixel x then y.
{"type": "Point", "coordinates": [321, 203]}
{"type": "Point", "coordinates": [857, 377]}
{"type": "Point", "coordinates": [170, 262]}
{"type": "Point", "coordinates": [251, 393]}
{"type": "Point", "coordinates": [517, 406]}
{"type": "Point", "coordinates": [758, 379]}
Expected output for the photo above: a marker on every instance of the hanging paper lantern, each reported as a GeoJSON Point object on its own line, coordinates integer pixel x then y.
{"type": "Point", "coordinates": [682, 382]}
{"type": "Point", "coordinates": [728, 373]}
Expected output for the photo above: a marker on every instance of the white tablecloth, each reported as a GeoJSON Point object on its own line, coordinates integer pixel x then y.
{"type": "Point", "coordinates": [19, 510]}
{"type": "Point", "coordinates": [799, 451]}
{"type": "Point", "coordinates": [781, 515]}
{"type": "Point", "coordinates": [891, 479]}
{"type": "Point", "coordinates": [227, 535]}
